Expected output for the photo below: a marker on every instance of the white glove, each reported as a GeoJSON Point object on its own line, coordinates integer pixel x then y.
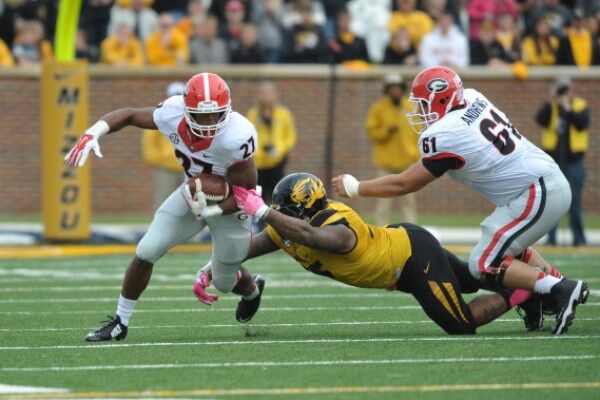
{"type": "Point", "coordinates": [88, 142]}
{"type": "Point", "coordinates": [197, 202]}
{"type": "Point", "coordinates": [78, 154]}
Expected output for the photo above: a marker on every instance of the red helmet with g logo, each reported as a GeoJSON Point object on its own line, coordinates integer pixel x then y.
{"type": "Point", "coordinates": [434, 92]}
{"type": "Point", "coordinates": [207, 104]}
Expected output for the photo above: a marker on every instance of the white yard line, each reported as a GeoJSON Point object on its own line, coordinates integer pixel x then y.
{"type": "Point", "coordinates": [295, 341]}
{"type": "Point", "coordinates": [262, 364]}
{"type": "Point", "coordinates": [188, 279]}
{"type": "Point", "coordinates": [201, 308]}
{"type": "Point", "coordinates": [277, 325]}
{"type": "Point", "coordinates": [156, 286]}
{"type": "Point", "coordinates": [113, 299]}
{"type": "Point", "coordinates": [357, 295]}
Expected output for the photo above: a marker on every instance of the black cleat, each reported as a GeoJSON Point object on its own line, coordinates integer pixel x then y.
{"type": "Point", "coordinates": [531, 312]}
{"type": "Point", "coordinates": [566, 295]}
{"type": "Point", "coordinates": [247, 308]}
{"type": "Point", "coordinates": [112, 329]}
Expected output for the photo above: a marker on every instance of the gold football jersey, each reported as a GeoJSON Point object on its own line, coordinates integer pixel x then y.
{"type": "Point", "coordinates": [376, 260]}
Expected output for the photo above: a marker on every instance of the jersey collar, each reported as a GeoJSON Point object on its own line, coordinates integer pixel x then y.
{"type": "Point", "coordinates": [192, 142]}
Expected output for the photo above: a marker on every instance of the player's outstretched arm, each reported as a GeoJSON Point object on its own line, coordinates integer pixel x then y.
{"type": "Point", "coordinates": [261, 244]}
{"type": "Point", "coordinates": [411, 180]}
{"type": "Point", "coordinates": [334, 238]}
{"type": "Point", "coordinates": [111, 122]}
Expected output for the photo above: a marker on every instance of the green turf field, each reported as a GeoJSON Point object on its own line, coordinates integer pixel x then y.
{"type": "Point", "coordinates": [312, 338]}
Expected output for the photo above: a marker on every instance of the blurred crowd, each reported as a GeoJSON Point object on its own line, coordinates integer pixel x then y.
{"type": "Point", "coordinates": [455, 33]}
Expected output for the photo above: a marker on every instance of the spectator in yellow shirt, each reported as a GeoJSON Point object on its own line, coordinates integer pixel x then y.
{"type": "Point", "coordinates": [122, 48]}
{"type": "Point", "coordinates": [394, 144]}
{"type": "Point", "coordinates": [168, 46]}
{"type": "Point", "coordinates": [541, 46]}
{"type": "Point", "coordinates": [6, 59]}
{"type": "Point", "coordinates": [276, 137]}
{"type": "Point", "coordinates": [158, 152]}
{"type": "Point", "coordinates": [578, 46]}
{"type": "Point", "coordinates": [416, 22]}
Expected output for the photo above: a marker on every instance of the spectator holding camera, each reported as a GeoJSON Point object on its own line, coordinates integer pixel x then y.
{"type": "Point", "coordinates": [565, 119]}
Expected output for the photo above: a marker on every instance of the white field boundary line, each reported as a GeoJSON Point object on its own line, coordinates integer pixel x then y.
{"type": "Point", "coordinates": [276, 325]}
{"type": "Point", "coordinates": [287, 391]}
{"type": "Point", "coordinates": [14, 389]}
{"type": "Point", "coordinates": [262, 364]}
{"type": "Point", "coordinates": [208, 309]}
{"type": "Point", "coordinates": [294, 341]}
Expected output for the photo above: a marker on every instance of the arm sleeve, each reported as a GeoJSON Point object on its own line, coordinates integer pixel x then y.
{"type": "Point", "coordinates": [243, 146]}
{"type": "Point", "coordinates": [439, 163]}
{"type": "Point", "coordinates": [168, 112]}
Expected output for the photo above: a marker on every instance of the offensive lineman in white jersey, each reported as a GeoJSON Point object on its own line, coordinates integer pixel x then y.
{"type": "Point", "coordinates": [207, 137]}
{"type": "Point", "coordinates": [464, 134]}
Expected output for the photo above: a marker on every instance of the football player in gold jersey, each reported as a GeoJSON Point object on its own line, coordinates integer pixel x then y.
{"type": "Point", "coordinates": [329, 238]}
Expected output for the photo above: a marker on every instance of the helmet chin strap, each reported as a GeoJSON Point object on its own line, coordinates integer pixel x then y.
{"type": "Point", "coordinates": [449, 106]}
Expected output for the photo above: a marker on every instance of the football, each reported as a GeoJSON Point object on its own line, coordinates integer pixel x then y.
{"type": "Point", "coordinates": [215, 187]}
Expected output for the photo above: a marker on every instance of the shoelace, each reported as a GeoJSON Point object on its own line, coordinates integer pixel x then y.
{"type": "Point", "coordinates": [111, 318]}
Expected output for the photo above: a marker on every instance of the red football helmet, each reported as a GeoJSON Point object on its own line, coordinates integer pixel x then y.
{"type": "Point", "coordinates": [207, 104]}
{"type": "Point", "coordinates": [434, 92]}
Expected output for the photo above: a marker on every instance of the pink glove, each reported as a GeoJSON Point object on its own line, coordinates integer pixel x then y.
{"type": "Point", "coordinates": [250, 202]}
{"type": "Point", "coordinates": [201, 283]}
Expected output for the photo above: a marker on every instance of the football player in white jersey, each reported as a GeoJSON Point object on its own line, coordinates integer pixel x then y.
{"type": "Point", "coordinates": [465, 135]}
{"type": "Point", "coordinates": [209, 137]}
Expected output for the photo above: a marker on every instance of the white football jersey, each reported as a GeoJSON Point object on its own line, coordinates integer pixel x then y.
{"type": "Point", "coordinates": [490, 155]}
{"type": "Point", "coordinates": [236, 142]}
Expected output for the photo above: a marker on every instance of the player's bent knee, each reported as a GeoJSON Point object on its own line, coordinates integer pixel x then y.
{"type": "Point", "coordinates": [140, 262]}
{"type": "Point", "coordinates": [465, 329]}
{"type": "Point", "coordinates": [224, 284]}
{"type": "Point", "coordinates": [474, 268]}
{"type": "Point", "coordinates": [149, 250]}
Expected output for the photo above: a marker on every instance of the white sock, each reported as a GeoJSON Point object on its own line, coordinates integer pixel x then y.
{"type": "Point", "coordinates": [125, 309]}
{"type": "Point", "coordinates": [544, 285]}
{"type": "Point", "coordinates": [252, 295]}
